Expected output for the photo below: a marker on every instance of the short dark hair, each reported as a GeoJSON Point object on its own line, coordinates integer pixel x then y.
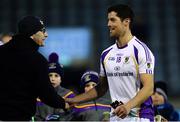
{"type": "Point", "coordinates": [123, 11]}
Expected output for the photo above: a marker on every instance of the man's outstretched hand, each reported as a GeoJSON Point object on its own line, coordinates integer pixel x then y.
{"type": "Point", "coordinates": [67, 106]}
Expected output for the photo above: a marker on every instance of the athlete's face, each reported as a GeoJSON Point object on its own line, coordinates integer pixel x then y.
{"type": "Point", "coordinates": [55, 79]}
{"type": "Point", "coordinates": [117, 27]}
{"type": "Point", "coordinates": [89, 86]}
{"type": "Point", "coordinates": [40, 36]}
{"type": "Point", "coordinates": [157, 99]}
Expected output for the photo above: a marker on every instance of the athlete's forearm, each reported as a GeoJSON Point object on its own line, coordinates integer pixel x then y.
{"type": "Point", "coordinates": [98, 91]}
{"type": "Point", "coordinates": [145, 92]}
{"type": "Point", "coordinates": [92, 94]}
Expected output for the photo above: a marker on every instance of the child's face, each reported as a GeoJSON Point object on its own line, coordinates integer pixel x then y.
{"type": "Point", "coordinates": [89, 86]}
{"type": "Point", "coordinates": [55, 79]}
{"type": "Point", "coordinates": [157, 99]}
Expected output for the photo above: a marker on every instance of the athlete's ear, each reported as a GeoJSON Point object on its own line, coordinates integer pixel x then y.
{"type": "Point", "coordinates": [127, 21]}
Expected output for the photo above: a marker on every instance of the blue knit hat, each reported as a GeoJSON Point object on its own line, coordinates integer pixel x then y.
{"type": "Point", "coordinates": [54, 65]}
{"type": "Point", "coordinates": [89, 76]}
{"type": "Point", "coordinates": [161, 88]}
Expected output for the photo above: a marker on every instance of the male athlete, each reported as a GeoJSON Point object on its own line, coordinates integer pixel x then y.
{"type": "Point", "coordinates": [128, 67]}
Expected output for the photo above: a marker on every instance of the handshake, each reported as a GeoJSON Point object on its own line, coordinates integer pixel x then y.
{"type": "Point", "coordinates": [115, 104]}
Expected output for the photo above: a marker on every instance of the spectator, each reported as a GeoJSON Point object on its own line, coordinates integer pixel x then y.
{"type": "Point", "coordinates": [56, 74]}
{"type": "Point", "coordinates": [92, 110]}
{"type": "Point", "coordinates": [161, 105]}
{"type": "Point", "coordinates": [24, 73]}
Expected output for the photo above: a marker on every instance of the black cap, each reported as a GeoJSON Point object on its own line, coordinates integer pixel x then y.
{"type": "Point", "coordinates": [30, 25]}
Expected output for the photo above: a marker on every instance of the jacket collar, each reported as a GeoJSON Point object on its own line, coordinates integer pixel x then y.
{"type": "Point", "coordinates": [22, 42]}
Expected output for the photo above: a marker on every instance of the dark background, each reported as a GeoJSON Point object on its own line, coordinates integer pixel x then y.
{"type": "Point", "coordinates": [157, 24]}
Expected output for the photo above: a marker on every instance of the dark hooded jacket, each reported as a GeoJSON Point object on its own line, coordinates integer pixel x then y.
{"type": "Point", "coordinates": [23, 78]}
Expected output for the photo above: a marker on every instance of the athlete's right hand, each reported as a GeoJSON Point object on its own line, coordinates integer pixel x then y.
{"type": "Point", "coordinates": [121, 111]}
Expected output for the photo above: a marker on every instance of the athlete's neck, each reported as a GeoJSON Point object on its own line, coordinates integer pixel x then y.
{"type": "Point", "coordinates": [123, 40]}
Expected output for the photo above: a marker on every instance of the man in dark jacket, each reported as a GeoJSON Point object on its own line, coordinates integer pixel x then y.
{"type": "Point", "coordinates": [24, 73]}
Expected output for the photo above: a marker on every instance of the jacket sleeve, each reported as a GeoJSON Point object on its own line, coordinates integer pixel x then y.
{"type": "Point", "coordinates": [46, 91]}
{"type": "Point", "coordinates": [38, 114]}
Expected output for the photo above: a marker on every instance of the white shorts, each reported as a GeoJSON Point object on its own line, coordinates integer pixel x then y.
{"type": "Point", "coordinates": [128, 119]}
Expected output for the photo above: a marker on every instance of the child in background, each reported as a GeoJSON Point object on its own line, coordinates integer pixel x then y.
{"type": "Point", "coordinates": [92, 110]}
{"type": "Point", "coordinates": [45, 112]}
{"type": "Point", "coordinates": [161, 105]}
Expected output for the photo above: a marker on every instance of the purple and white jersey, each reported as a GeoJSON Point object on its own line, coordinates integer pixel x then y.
{"type": "Point", "coordinates": [122, 67]}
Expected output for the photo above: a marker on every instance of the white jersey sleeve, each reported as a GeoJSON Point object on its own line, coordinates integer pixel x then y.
{"type": "Point", "coordinates": [146, 60]}
{"type": "Point", "coordinates": [102, 70]}
{"type": "Point", "coordinates": [102, 65]}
